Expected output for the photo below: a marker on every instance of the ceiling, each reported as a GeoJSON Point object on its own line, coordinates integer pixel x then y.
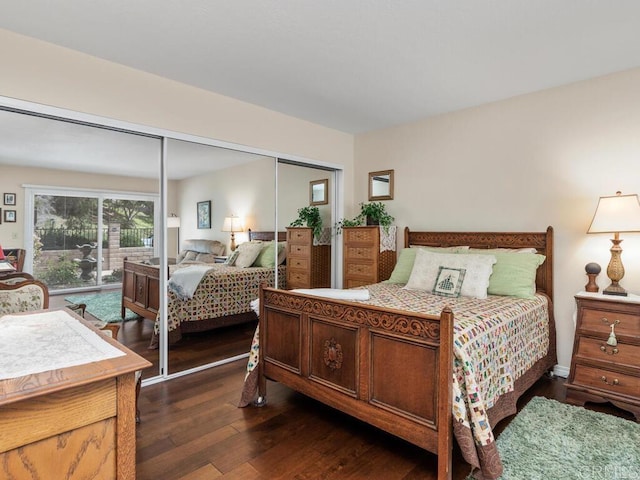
{"type": "Point", "coordinates": [352, 65]}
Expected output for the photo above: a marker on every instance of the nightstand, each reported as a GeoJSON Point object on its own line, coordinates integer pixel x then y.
{"type": "Point", "coordinates": [605, 365]}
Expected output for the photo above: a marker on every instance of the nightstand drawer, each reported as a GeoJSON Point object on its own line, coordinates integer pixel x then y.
{"type": "Point", "coordinates": [597, 349]}
{"type": "Point", "coordinates": [603, 379]}
{"type": "Point", "coordinates": [600, 321]}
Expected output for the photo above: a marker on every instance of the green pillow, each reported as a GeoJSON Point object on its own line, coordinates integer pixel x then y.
{"type": "Point", "coordinates": [267, 256]}
{"type": "Point", "coordinates": [514, 274]}
{"type": "Point", "coordinates": [406, 258]}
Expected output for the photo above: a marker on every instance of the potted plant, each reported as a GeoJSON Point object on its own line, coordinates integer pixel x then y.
{"type": "Point", "coordinates": [309, 217]}
{"type": "Point", "coordinates": [374, 213]}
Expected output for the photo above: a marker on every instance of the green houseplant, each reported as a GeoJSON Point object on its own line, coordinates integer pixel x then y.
{"type": "Point", "coordinates": [374, 213]}
{"type": "Point", "coordinates": [309, 217]}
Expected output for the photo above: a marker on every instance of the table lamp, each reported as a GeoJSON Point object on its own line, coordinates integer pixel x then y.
{"type": "Point", "coordinates": [232, 224]}
{"type": "Point", "coordinates": [615, 214]}
{"type": "Point", "coordinates": [173, 221]}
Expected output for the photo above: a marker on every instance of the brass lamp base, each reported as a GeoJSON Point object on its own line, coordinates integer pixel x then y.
{"type": "Point", "coordinates": [615, 290]}
{"type": "Point", "coordinates": [615, 269]}
{"type": "Point", "coordinates": [233, 242]}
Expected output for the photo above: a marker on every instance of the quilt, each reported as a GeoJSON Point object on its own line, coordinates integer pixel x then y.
{"type": "Point", "coordinates": [496, 340]}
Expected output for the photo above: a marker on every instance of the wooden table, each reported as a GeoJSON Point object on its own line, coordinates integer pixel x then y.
{"type": "Point", "coordinates": [74, 422]}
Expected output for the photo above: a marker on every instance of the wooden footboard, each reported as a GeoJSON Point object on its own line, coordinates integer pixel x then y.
{"type": "Point", "coordinates": [391, 369]}
{"type": "Point", "coordinates": [141, 289]}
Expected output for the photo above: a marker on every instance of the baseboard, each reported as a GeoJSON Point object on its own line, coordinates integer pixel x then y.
{"type": "Point", "coordinates": [561, 371]}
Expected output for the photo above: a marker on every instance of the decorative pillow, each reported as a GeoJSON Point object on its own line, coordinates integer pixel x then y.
{"type": "Point", "coordinates": [514, 274]}
{"type": "Point", "coordinates": [206, 258]}
{"type": "Point", "coordinates": [249, 251]}
{"type": "Point", "coordinates": [505, 250]}
{"type": "Point", "coordinates": [231, 258]}
{"type": "Point", "coordinates": [449, 282]}
{"type": "Point", "coordinates": [404, 264]}
{"type": "Point", "coordinates": [267, 256]}
{"type": "Point", "coordinates": [476, 279]}
{"type": "Point", "coordinates": [189, 256]}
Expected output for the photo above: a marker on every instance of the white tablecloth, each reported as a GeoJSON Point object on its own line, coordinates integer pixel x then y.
{"type": "Point", "coordinates": [45, 341]}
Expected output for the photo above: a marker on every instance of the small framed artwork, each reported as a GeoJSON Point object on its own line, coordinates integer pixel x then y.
{"type": "Point", "coordinates": [9, 198]}
{"type": "Point", "coordinates": [204, 214]}
{"type": "Point", "coordinates": [0, 216]}
{"type": "Point", "coordinates": [9, 216]}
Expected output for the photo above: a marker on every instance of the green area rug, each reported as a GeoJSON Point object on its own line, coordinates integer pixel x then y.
{"type": "Point", "coordinates": [104, 306]}
{"type": "Point", "coordinates": [550, 440]}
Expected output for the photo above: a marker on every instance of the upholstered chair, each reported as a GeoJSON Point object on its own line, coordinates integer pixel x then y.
{"type": "Point", "coordinates": [24, 296]}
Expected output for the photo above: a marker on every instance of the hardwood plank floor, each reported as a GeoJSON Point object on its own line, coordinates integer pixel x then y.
{"type": "Point", "coordinates": [191, 428]}
{"type": "Point", "coordinates": [193, 350]}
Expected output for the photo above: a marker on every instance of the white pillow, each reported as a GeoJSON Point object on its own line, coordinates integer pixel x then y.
{"type": "Point", "coordinates": [478, 269]}
{"type": "Point", "coordinates": [248, 252]}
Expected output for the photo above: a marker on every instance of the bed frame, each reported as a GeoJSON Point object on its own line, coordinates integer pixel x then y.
{"type": "Point", "coordinates": [141, 291]}
{"type": "Point", "coordinates": [372, 362]}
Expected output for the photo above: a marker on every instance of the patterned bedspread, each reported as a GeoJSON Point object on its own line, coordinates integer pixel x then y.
{"type": "Point", "coordinates": [496, 340]}
{"type": "Point", "coordinates": [223, 290]}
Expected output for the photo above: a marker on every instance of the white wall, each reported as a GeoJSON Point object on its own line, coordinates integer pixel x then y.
{"type": "Point", "coordinates": [520, 165]}
{"type": "Point", "coordinates": [40, 72]}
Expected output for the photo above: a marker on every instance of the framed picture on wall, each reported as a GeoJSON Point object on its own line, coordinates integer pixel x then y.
{"type": "Point", "coordinates": [204, 214]}
{"type": "Point", "coordinates": [9, 216]}
{"type": "Point", "coordinates": [9, 198]}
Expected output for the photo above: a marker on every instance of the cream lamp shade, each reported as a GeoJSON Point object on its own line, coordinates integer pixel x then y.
{"type": "Point", "coordinates": [232, 224]}
{"type": "Point", "coordinates": [173, 221]}
{"type": "Point", "coordinates": [615, 214]}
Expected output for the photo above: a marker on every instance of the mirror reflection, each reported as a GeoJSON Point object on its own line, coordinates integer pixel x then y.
{"type": "Point", "coordinates": [318, 191]}
{"type": "Point", "coordinates": [381, 185]}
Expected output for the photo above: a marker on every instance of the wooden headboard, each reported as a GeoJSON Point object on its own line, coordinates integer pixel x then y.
{"type": "Point", "coordinates": [541, 241]}
{"type": "Point", "coordinates": [266, 236]}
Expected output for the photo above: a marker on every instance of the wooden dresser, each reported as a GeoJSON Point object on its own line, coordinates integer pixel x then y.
{"type": "Point", "coordinates": [364, 263]}
{"type": "Point", "coordinates": [604, 369]}
{"type": "Point", "coordinates": [308, 265]}
{"type": "Point", "coordinates": [71, 423]}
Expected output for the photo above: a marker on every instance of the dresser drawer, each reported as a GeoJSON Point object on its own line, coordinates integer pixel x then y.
{"type": "Point", "coordinates": [361, 253]}
{"type": "Point", "coordinates": [299, 250]}
{"type": "Point", "coordinates": [361, 235]}
{"type": "Point", "coordinates": [603, 379]}
{"type": "Point", "coordinates": [298, 263]}
{"type": "Point", "coordinates": [297, 279]}
{"type": "Point", "coordinates": [599, 321]}
{"type": "Point", "coordinates": [597, 349]}
{"type": "Point", "coordinates": [299, 235]}
{"type": "Point", "coordinates": [361, 270]}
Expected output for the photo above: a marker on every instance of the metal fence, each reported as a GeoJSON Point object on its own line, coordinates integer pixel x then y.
{"type": "Point", "coordinates": [69, 238]}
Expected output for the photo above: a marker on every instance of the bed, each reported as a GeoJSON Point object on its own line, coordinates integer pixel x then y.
{"type": "Point", "coordinates": [393, 368]}
{"type": "Point", "coordinates": [221, 298]}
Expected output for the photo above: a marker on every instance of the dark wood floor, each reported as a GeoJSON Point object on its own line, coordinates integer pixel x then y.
{"type": "Point", "coordinates": [193, 350]}
{"type": "Point", "coordinates": [192, 429]}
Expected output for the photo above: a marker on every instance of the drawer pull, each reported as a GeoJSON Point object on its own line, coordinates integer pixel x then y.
{"type": "Point", "coordinates": [613, 351]}
{"type": "Point", "coordinates": [613, 341]}
{"type": "Point", "coordinates": [614, 382]}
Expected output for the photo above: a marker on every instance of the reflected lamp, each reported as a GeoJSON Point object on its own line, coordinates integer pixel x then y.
{"type": "Point", "coordinates": [232, 224]}
{"type": "Point", "coordinates": [173, 221]}
{"type": "Point", "coordinates": [616, 214]}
